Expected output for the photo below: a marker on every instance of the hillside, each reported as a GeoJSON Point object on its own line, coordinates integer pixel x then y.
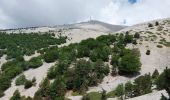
{"type": "Point", "coordinates": [62, 55]}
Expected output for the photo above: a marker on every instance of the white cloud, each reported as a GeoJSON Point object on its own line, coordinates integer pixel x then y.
{"type": "Point", "coordinates": [23, 13]}
{"type": "Point", "coordinates": [143, 10]}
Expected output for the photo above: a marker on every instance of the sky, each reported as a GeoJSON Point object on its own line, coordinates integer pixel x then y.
{"type": "Point", "coordinates": [28, 13]}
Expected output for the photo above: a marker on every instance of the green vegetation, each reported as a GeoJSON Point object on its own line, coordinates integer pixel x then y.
{"type": "Point", "coordinates": [111, 94]}
{"type": "Point", "coordinates": [119, 91]}
{"type": "Point", "coordinates": [130, 62]}
{"type": "Point", "coordinates": [51, 56]}
{"type": "Point", "coordinates": [163, 82]}
{"type": "Point", "coordinates": [17, 45]}
{"type": "Point", "coordinates": [155, 74]}
{"type": "Point", "coordinates": [92, 96]}
{"type": "Point", "coordinates": [20, 80]}
{"type": "Point", "coordinates": [53, 91]}
{"type": "Point", "coordinates": [35, 62]}
{"type": "Point", "coordinates": [16, 96]}
{"type": "Point", "coordinates": [137, 35]}
{"type": "Point", "coordinates": [26, 44]}
{"type": "Point", "coordinates": [78, 66]}
{"type": "Point", "coordinates": [28, 84]}
{"type": "Point", "coordinates": [141, 85]}
{"type": "Point", "coordinates": [159, 46]}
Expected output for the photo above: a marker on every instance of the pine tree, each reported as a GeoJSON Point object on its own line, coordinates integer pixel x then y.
{"type": "Point", "coordinates": [16, 96]}
{"type": "Point", "coordinates": [155, 74]}
{"type": "Point", "coordinates": [104, 95]}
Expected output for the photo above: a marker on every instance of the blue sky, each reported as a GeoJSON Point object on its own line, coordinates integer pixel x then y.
{"type": "Point", "coordinates": [26, 13]}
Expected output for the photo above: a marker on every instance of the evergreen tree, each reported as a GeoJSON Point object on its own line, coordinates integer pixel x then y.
{"type": "Point", "coordinates": [16, 96]}
{"type": "Point", "coordinates": [163, 81]}
{"type": "Point", "coordinates": [142, 85]}
{"type": "Point", "coordinates": [128, 90]}
{"type": "Point", "coordinates": [155, 74]}
{"type": "Point", "coordinates": [104, 97]}
{"type": "Point", "coordinates": [58, 89]}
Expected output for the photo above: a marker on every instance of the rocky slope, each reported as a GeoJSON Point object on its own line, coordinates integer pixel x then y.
{"type": "Point", "coordinates": [155, 38]}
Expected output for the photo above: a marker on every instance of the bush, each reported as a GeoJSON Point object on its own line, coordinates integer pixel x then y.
{"type": "Point", "coordinates": [156, 23]}
{"type": "Point", "coordinates": [28, 84]}
{"type": "Point", "coordinates": [130, 63]}
{"type": "Point", "coordinates": [119, 91]}
{"type": "Point", "coordinates": [92, 96]}
{"type": "Point", "coordinates": [57, 89]}
{"type": "Point", "coordinates": [150, 25]}
{"type": "Point", "coordinates": [159, 46]}
{"type": "Point", "coordinates": [137, 35]}
{"type": "Point", "coordinates": [148, 52]}
{"type": "Point", "coordinates": [83, 51]}
{"type": "Point", "coordinates": [114, 71]}
{"type": "Point", "coordinates": [16, 96]}
{"type": "Point", "coordinates": [51, 56]}
{"type": "Point", "coordinates": [100, 53]}
{"type": "Point", "coordinates": [43, 91]}
{"type": "Point", "coordinates": [106, 39]}
{"type": "Point", "coordinates": [115, 60]}
{"type": "Point", "coordinates": [162, 81]}
{"type": "Point", "coordinates": [51, 73]}
{"type": "Point", "coordinates": [155, 74]}
{"type": "Point", "coordinates": [142, 85]}
{"type": "Point", "coordinates": [35, 62]}
{"type": "Point", "coordinates": [128, 39]}
{"type": "Point", "coordinates": [129, 90]}
{"type": "Point", "coordinates": [20, 80]}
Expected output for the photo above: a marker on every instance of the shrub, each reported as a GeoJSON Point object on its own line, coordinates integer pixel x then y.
{"type": "Point", "coordinates": [119, 91]}
{"type": "Point", "coordinates": [159, 46]}
{"type": "Point", "coordinates": [51, 56]}
{"type": "Point", "coordinates": [28, 84]}
{"type": "Point", "coordinates": [16, 96]}
{"type": "Point", "coordinates": [129, 64]}
{"type": "Point", "coordinates": [150, 25]}
{"type": "Point", "coordinates": [100, 53]}
{"type": "Point", "coordinates": [83, 51]}
{"type": "Point", "coordinates": [137, 35]}
{"type": "Point", "coordinates": [106, 39]}
{"type": "Point", "coordinates": [43, 91]}
{"type": "Point", "coordinates": [51, 73]}
{"type": "Point", "coordinates": [142, 85]}
{"type": "Point", "coordinates": [20, 80]}
{"type": "Point", "coordinates": [89, 43]}
{"type": "Point", "coordinates": [128, 39]}
{"type": "Point", "coordinates": [115, 60]}
{"type": "Point", "coordinates": [128, 90]}
{"type": "Point", "coordinates": [114, 71]}
{"type": "Point", "coordinates": [57, 89]}
{"type": "Point", "coordinates": [104, 95]}
{"type": "Point", "coordinates": [156, 23]}
{"type": "Point", "coordinates": [35, 62]}
{"type": "Point", "coordinates": [162, 81]}
{"type": "Point", "coordinates": [148, 52]}
{"type": "Point", "coordinates": [92, 96]}
{"type": "Point", "coordinates": [34, 81]}
{"type": "Point", "coordinates": [155, 74]}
